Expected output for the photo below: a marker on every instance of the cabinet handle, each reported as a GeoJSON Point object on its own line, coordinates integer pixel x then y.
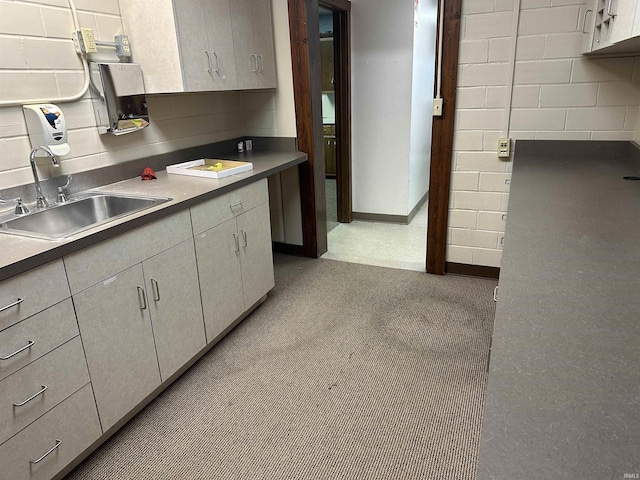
{"type": "Point", "coordinates": [261, 68]}
{"type": "Point", "coordinates": [609, 10]}
{"type": "Point", "coordinates": [235, 239]}
{"type": "Point", "coordinates": [49, 452]}
{"type": "Point", "coordinates": [17, 302]}
{"type": "Point", "coordinates": [43, 389]}
{"type": "Point", "coordinates": [237, 204]}
{"type": "Point", "coordinates": [208, 60]}
{"type": "Point", "coordinates": [495, 293]}
{"type": "Point", "coordinates": [156, 289]}
{"type": "Point", "coordinates": [254, 61]}
{"type": "Point", "coordinates": [217, 70]}
{"type": "Point", "coordinates": [141, 298]}
{"type": "Point", "coordinates": [584, 20]}
{"type": "Point", "coordinates": [28, 345]}
{"type": "Point", "coordinates": [244, 238]}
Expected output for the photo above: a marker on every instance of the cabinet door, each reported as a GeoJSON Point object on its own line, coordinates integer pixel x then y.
{"type": "Point", "coordinates": [245, 54]}
{"type": "Point", "coordinates": [174, 303]}
{"type": "Point", "coordinates": [115, 327]}
{"type": "Point", "coordinates": [256, 256]}
{"type": "Point", "coordinates": [220, 282]}
{"type": "Point", "coordinates": [262, 27]}
{"type": "Point", "coordinates": [625, 11]}
{"type": "Point", "coordinates": [219, 33]}
{"type": "Point", "coordinates": [194, 45]}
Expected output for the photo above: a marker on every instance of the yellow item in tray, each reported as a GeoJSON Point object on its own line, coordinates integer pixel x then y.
{"type": "Point", "coordinates": [215, 167]}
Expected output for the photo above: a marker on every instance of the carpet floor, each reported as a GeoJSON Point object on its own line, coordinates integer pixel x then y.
{"type": "Point", "coordinates": [347, 371]}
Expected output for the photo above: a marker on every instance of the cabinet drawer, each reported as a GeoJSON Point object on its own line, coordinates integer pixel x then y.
{"type": "Point", "coordinates": [40, 333]}
{"type": "Point", "coordinates": [99, 262]}
{"type": "Point", "coordinates": [63, 371]}
{"type": "Point", "coordinates": [23, 295]}
{"type": "Point", "coordinates": [217, 210]}
{"type": "Point", "coordinates": [73, 425]}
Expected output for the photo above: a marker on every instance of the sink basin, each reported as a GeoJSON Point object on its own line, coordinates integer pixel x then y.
{"type": "Point", "coordinates": [88, 211]}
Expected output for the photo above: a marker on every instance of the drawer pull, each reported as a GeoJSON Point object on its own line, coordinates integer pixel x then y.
{"type": "Point", "coordinates": [17, 302]}
{"type": "Point", "coordinates": [49, 452]}
{"type": "Point", "coordinates": [142, 300]}
{"type": "Point", "coordinates": [235, 239]}
{"type": "Point", "coordinates": [28, 345]}
{"type": "Point", "coordinates": [156, 290]}
{"type": "Point", "coordinates": [244, 238]}
{"type": "Point", "coordinates": [42, 390]}
{"type": "Point", "coordinates": [237, 204]}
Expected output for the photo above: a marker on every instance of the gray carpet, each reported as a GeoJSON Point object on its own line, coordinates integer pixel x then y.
{"type": "Point", "coordinates": [346, 371]}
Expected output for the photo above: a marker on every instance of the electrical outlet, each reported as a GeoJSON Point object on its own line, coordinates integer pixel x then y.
{"type": "Point", "coordinates": [504, 149]}
{"type": "Point", "coordinates": [89, 40]}
{"type": "Point", "coordinates": [123, 47]}
{"type": "Point", "coordinates": [248, 145]}
{"type": "Point", "coordinates": [437, 107]}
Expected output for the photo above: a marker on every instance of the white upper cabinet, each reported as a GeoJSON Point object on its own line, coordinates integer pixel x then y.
{"type": "Point", "coordinates": [616, 27]}
{"type": "Point", "coordinates": [201, 45]}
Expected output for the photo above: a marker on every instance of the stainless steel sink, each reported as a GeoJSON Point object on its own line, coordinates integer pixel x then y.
{"type": "Point", "coordinates": [81, 213]}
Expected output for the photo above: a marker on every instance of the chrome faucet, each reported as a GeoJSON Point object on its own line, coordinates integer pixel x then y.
{"type": "Point", "coordinates": [41, 201]}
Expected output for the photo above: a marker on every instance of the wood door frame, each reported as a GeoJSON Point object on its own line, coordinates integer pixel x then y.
{"type": "Point", "coordinates": [305, 54]}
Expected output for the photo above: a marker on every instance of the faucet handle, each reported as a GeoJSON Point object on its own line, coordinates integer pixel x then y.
{"type": "Point", "coordinates": [62, 197]}
{"type": "Point", "coordinates": [21, 208]}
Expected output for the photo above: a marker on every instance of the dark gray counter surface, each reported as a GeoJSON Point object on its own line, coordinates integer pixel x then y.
{"type": "Point", "coordinates": [19, 254]}
{"type": "Point", "coordinates": [563, 398]}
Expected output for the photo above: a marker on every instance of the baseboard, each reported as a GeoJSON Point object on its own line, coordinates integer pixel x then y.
{"type": "Point", "coordinates": [288, 249]}
{"type": "Point", "coordinates": [472, 270]}
{"type": "Point", "coordinates": [418, 206]}
{"type": "Point", "coordinates": [384, 218]}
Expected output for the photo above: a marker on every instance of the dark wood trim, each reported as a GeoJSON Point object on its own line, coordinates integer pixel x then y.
{"type": "Point", "coordinates": [305, 58]}
{"type": "Point", "coordinates": [342, 64]}
{"type": "Point", "coordinates": [472, 270]}
{"type": "Point", "coordinates": [288, 249]}
{"type": "Point", "coordinates": [442, 143]}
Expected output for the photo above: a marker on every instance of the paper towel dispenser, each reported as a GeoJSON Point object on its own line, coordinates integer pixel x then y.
{"type": "Point", "coordinates": [118, 96]}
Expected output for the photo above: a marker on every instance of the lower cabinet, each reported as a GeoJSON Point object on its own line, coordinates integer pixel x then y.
{"type": "Point", "coordinates": [53, 441]}
{"type": "Point", "coordinates": [235, 265]}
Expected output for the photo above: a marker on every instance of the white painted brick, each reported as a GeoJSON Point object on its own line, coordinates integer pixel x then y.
{"type": "Point", "coordinates": [630, 120]}
{"type": "Point", "coordinates": [12, 122]}
{"type": "Point", "coordinates": [617, 136]}
{"type": "Point", "coordinates": [602, 70]}
{"type": "Point", "coordinates": [161, 107]}
{"type": "Point", "coordinates": [21, 19]}
{"type": "Point", "coordinates": [466, 140]}
{"type": "Point", "coordinates": [488, 26]}
{"type": "Point", "coordinates": [252, 101]}
{"type": "Point", "coordinates": [470, 97]}
{"type": "Point", "coordinates": [565, 45]}
{"type": "Point", "coordinates": [457, 254]}
{"type": "Point", "coordinates": [619, 94]}
{"type": "Point", "coordinates": [463, 219]}
{"type": "Point", "coordinates": [464, 181]}
{"type": "Point", "coordinates": [494, 182]}
{"type": "Point", "coordinates": [480, 162]}
{"type": "Point", "coordinates": [473, 238]}
{"type": "Point", "coordinates": [487, 257]}
{"type": "Point", "coordinates": [528, 4]}
{"type": "Point", "coordinates": [563, 135]}
{"type": "Point", "coordinates": [602, 118]}
{"type": "Point", "coordinates": [12, 55]}
{"type": "Point", "coordinates": [54, 3]}
{"type": "Point", "coordinates": [79, 114]}
{"type": "Point", "coordinates": [559, 3]}
{"type": "Point", "coordinates": [525, 96]}
{"type": "Point", "coordinates": [549, 71]}
{"type": "Point", "coordinates": [522, 135]}
{"type": "Point", "coordinates": [574, 95]}
{"type": "Point", "coordinates": [490, 140]}
{"type": "Point", "coordinates": [88, 20]}
{"type": "Point", "coordinates": [475, 51]}
{"type": "Point", "coordinates": [543, 119]}
{"type": "Point", "coordinates": [103, 6]}
{"type": "Point", "coordinates": [484, 74]}
{"type": "Point", "coordinates": [14, 152]}
{"type": "Point", "coordinates": [548, 20]}
{"type": "Point", "coordinates": [477, 6]}
{"type": "Point", "coordinates": [504, 203]}
{"type": "Point", "coordinates": [496, 97]}
{"type": "Point", "coordinates": [69, 82]}
{"type": "Point", "coordinates": [503, 5]}
{"type": "Point", "coordinates": [500, 49]}
{"type": "Point", "coordinates": [15, 177]}
{"type": "Point", "coordinates": [494, 221]}
{"type": "Point", "coordinates": [477, 201]}
{"type": "Point", "coordinates": [480, 119]}
{"type": "Point", "coordinates": [530, 47]}
{"type": "Point", "coordinates": [108, 27]}
{"type": "Point", "coordinates": [50, 54]}
{"type": "Point", "coordinates": [57, 23]}
{"type": "Point", "coordinates": [81, 164]}
{"type": "Point", "coordinates": [14, 85]}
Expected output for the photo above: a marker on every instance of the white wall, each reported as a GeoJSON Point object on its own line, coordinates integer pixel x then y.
{"type": "Point", "coordinates": [424, 49]}
{"type": "Point", "coordinates": [381, 42]}
{"type": "Point", "coordinates": [557, 94]}
{"type": "Point", "coordinates": [38, 60]}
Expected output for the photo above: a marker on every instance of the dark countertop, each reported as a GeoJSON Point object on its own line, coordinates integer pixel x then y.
{"type": "Point", "coordinates": [20, 254]}
{"type": "Point", "coordinates": [563, 397]}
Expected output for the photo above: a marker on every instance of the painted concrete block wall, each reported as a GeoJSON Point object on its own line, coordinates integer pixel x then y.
{"type": "Point", "coordinates": [39, 61]}
{"type": "Point", "coordinates": [557, 94]}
